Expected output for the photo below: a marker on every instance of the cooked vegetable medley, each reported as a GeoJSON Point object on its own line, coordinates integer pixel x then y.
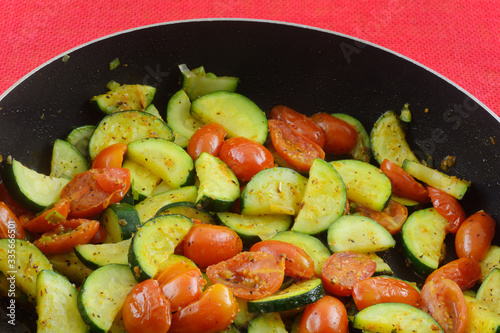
{"type": "Point", "coordinates": [214, 217]}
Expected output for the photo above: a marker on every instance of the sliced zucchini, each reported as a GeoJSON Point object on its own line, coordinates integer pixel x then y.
{"type": "Point", "coordinates": [120, 221]}
{"type": "Point", "coordinates": [219, 188]}
{"type": "Point", "coordinates": [150, 206]}
{"type": "Point", "coordinates": [432, 177]}
{"type": "Point", "coordinates": [126, 127]}
{"type": "Point", "coordinates": [197, 82]}
{"type": "Point", "coordinates": [362, 150]}
{"type": "Point", "coordinates": [394, 317]}
{"type": "Point", "coordinates": [318, 252]}
{"type": "Point", "coordinates": [365, 183]}
{"type": "Point", "coordinates": [67, 161]}
{"type": "Point", "coordinates": [97, 255]}
{"type": "Point", "coordinates": [102, 295]}
{"type": "Point", "coordinates": [79, 138]}
{"type": "Point", "coordinates": [70, 266]}
{"type": "Point", "coordinates": [33, 190]}
{"type": "Point", "coordinates": [187, 209]}
{"type": "Point", "coordinates": [408, 203]}
{"type": "Point", "coordinates": [179, 116]}
{"type": "Point", "coordinates": [253, 228]}
{"type": "Point", "coordinates": [243, 317]}
{"type": "Point", "coordinates": [323, 201]}
{"type": "Point", "coordinates": [125, 97]}
{"type": "Point", "coordinates": [480, 319]}
{"type": "Point", "coordinates": [423, 236]}
{"type": "Point", "coordinates": [236, 113]}
{"type": "Point", "coordinates": [388, 140]}
{"type": "Point", "coordinates": [490, 261]}
{"type": "Point", "coordinates": [57, 306]}
{"type": "Point", "coordinates": [382, 267]}
{"type": "Point", "coordinates": [299, 294]}
{"type": "Point", "coordinates": [358, 233]}
{"type": "Point", "coordinates": [267, 322]}
{"type": "Point", "coordinates": [154, 242]}
{"type": "Point", "coordinates": [143, 180]}
{"type": "Point", "coordinates": [22, 260]}
{"type": "Point", "coordinates": [489, 291]}
{"type": "Point", "coordinates": [273, 191]}
{"type": "Point", "coordinates": [164, 159]}
{"type": "Point", "coordinates": [151, 109]}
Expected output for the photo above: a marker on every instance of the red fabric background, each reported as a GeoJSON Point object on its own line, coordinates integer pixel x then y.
{"type": "Point", "coordinates": [458, 39]}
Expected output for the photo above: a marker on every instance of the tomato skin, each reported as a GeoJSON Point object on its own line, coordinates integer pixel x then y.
{"type": "Point", "coordinates": [294, 148]}
{"type": "Point", "coordinates": [250, 275]}
{"type": "Point", "coordinates": [463, 271]}
{"type": "Point", "coordinates": [340, 137]}
{"type": "Point", "coordinates": [245, 157]}
{"type": "Point", "coordinates": [299, 122]}
{"type": "Point", "coordinates": [208, 244]}
{"type": "Point", "coordinates": [146, 309]}
{"type": "Point", "coordinates": [40, 224]}
{"type": "Point", "coordinates": [403, 184]}
{"type": "Point", "coordinates": [67, 235]}
{"type": "Point", "coordinates": [212, 312]}
{"type": "Point", "coordinates": [208, 139]}
{"type": "Point", "coordinates": [474, 236]}
{"type": "Point", "coordinates": [92, 191]}
{"type": "Point", "coordinates": [111, 156]}
{"type": "Point", "coordinates": [297, 262]}
{"type": "Point", "coordinates": [10, 226]}
{"type": "Point", "coordinates": [382, 289]}
{"type": "Point", "coordinates": [325, 315]}
{"type": "Point", "coordinates": [181, 283]}
{"type": "Point", "coordinates": [99, 236]}
{"type": "Point", "coordinates": [445, 302]}
{"type": "Point", "coordinates": [448, 207]}
{"type": "Point", "coordinates": [391, 218]}
{"type": "Point", "coordinates": [342, 270]}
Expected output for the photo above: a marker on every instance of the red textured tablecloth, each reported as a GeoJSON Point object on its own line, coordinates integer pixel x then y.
{"type": "Point", "coordinates": [458, 39]}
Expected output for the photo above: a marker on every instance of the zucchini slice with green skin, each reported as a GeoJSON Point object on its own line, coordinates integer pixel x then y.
{"type": "Point", "coordinates": [490, 261]}
{"type": "Point", "coordinates": [423, 236]}
{"type": "Point", "coordinates": [219, 188]}
{"type": "Point", "coordinates": [31, 189]}
{"type": "Point", "coordinates": [366, 184]}
{"type": "Point", "coordinates": [489, 291]}
{"type": "Point", "coordinates": [236, 113]}
{"type": "Point", "coordinates": [360, 234]}
{"type": "Point", "coordinates": [299, 294]}
{"type": "Point", "coordinates": [267, 322]}
{"type": "Point", "coordinates": [323, 201]}
{"type": "Point", "coordinates": [164, 159]}
{"type": "Point", "coordinates": [67, 161]}
{"type": "Point", "coordinates": [126, 127]}
{"type": "Point", "coordinates": [450, 184]}
{"type": "Point", "coordinates": [179, 116]}
{"type": "Point", "coordinates": [120, 221]}
{"type": "Point", "coordinates": [382, 267]}
{"type": "Point", "coordinates": [56, 303]}
{"type": "Point", "coordinates": [24, 261]}
{"type": "Point", "coordinates": [318, 252]}
{"type": "Point", "coordinates": [362, 149]}
{"type": "Point", "coordinates": [197, 82]}
{"type": "Point", "coordinates": [143, 181]}
{"type": "Point", "coordinates": [394, 317]}
{"type": "Point", "coordinates": [187, 209]}
{"type": "Point", "coordinates": [154, 242]}
{"type": "Point", "coordinates": [480, 318]}
{"type": "Point", "coordinates": [79, 138]}
{"type": "Point", "coordinates": [125, 97]}
{"type": "Point", "coordinates": [388, 140]}
{"type": "Point", "coordinates": [149, 207]}
{"type": "Point", "coordinates": [97, 255]}
{"type": "Point", "coordinates": [102, 295]}
{"type": "Point", "coordinates": [243, 317]}
{"type": "Point", "coordinates": [69, 265]}
{"type": "Point", "coordinates": [254, 228]}
{"type": "Point", "coordinates": [273, 191]}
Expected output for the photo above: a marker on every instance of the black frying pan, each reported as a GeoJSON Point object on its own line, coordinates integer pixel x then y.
{"type": "Point", "coordinates": [308, 69]}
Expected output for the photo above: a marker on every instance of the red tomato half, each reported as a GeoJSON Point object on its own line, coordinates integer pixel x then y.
{"type": "Point", "coordinates": [245, 157]}
{"type": "Point", "coordinates": [344, 269]}
{"type": "Point", "coordinates": [111, 156]}
{"type": "Point", "coordinates": [92, 191]}
{"type": "Point", "coordinates": [384, 289]}
{"type": "Point", "coordinates": [391, 218]}
{"type": "Point", "coordinates": [403, 184]}
{"type": "Point", "coordinates": [208, 139]}
{"type": "Point", "coordinates": [299, 122]}
{"type": "Point", "coordinates": [445, 302]}
{"type": "Point", "coordinates": [67, 235]}
{"type": "Point", "coordinates": [474, 236]}
{"type": "Point", "coordinates": [146, 309]}
{"type": "Point", "coordinates": [294, 148]}
{"type": "Point", "coordinates": [325, 315]}
{"type": "Point", "coordinates": [463, 271]}
{"type": "Point", "coordinates": [250, 275]}
{"type": "Point", "coordinates": [448, 207]}
{"type": "Point", "coordinates": [49, 218]}
{"type": "Point", "coordinates": [10, 226]}
{"type": "Point", "coordinates": [340, 137]}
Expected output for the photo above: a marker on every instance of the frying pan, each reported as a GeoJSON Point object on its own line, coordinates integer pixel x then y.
{"type": "Point", "coordinates": [308, 69]}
